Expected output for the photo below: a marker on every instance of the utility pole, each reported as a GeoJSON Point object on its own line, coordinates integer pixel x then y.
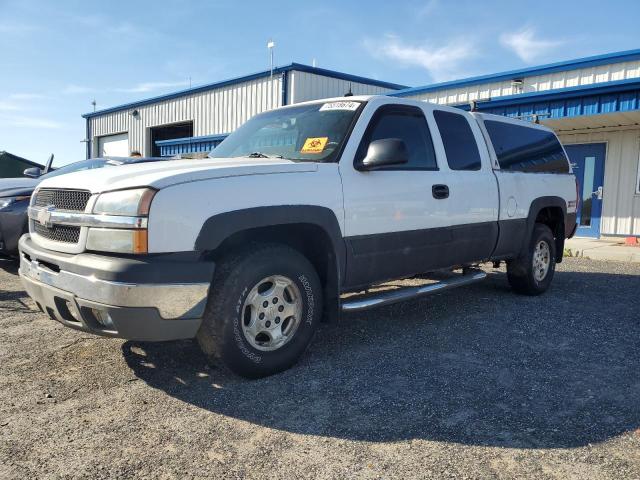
{"type": "Point", "coordinates": [271, 45]}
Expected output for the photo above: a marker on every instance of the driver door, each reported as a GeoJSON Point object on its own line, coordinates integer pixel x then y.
{"type": "Point", "coordinates": [393, 214]}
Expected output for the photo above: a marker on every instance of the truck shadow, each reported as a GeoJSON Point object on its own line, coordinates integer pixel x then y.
{"type": "Point", "coordinates": [9, 265]}
{"type": "Point", "coordinates": [476, 366]}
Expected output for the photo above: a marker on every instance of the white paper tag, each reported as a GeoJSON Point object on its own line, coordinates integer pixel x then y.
{"type": "Point", "coordinates": [340, 106]}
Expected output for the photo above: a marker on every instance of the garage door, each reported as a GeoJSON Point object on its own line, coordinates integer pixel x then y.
{"type": "Point", "coordinates": [114, 145]}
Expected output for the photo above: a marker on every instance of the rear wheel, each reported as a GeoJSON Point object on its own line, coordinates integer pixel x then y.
{"type": "Point", "coordinates": [532, 273]}
{"type": "Point", "coordinates": [264, 307]}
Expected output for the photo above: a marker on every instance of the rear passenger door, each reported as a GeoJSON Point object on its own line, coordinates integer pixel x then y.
{"type": "Point", "coordinates": [403, 219]}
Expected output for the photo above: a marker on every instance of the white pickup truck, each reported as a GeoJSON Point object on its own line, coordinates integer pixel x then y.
{"type": "Point", "coordinates": [249, 250]}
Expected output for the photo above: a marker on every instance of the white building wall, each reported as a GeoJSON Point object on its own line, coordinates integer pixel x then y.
{"type": "Point", "coordinates": [620, 203]}
{"type": "Point", "coordinates": [537, 83]}
{"type": "Point", "coordinates": [305, 86]}
{"type": "Point", "coordinates": [220, 110]}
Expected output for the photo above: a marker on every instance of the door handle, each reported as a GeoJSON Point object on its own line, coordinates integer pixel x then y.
{"type": "Point", "coordinates": [440, 192]}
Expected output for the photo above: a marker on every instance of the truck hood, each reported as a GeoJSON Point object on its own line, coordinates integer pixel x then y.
{"type": "Point", "coordinates": [163, 174]}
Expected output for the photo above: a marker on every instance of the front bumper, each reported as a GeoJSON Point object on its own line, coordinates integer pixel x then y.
{"type": "Point", "coordinates": [150, 298]}
{"type": "Point", "coordinates": [13, 223]}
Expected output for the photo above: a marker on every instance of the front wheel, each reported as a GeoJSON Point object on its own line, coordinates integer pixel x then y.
{"type": "Point", "coordinates": [264, 306]}
{"type": "Point", "coordinates": [532, 273]}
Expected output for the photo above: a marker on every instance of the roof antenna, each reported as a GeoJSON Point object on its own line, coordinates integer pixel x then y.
{"type": "Point", "coordinates": [349, 93]}
{"type": "Point", "coordinates": [94, 104]}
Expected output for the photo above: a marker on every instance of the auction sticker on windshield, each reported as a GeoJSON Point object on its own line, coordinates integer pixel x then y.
{"type": "Point", "coordinates": [314, 144]}
{"type": "Point", "coordinates": [340, 106]}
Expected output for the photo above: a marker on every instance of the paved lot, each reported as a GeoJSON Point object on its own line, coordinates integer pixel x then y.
{"type": "Point", "coordinates": [472, 383]}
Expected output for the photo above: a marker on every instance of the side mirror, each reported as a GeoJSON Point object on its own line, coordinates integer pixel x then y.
{"type": "Point", "coordinates": [33, 172]}
{"type": "Point", "coordinates": [383, 153]}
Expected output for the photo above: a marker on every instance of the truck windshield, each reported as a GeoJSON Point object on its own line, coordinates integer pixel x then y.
{"type": "Point", "coordinates": [313, 132]}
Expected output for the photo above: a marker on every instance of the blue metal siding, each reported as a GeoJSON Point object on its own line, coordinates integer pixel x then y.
{"type": "Point", "coordinates": [628, 101]}
{"type": "Point", "coordinates": [621, 96]}
{"type": "Point", "coordinates": [170, 148]}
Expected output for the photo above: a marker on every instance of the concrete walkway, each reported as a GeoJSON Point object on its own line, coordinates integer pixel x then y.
{"type": "Point", "coordinates": [602, 250]}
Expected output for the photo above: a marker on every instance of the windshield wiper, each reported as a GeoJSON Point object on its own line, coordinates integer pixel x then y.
{"type": "Point", "coordinates": [262, 155]}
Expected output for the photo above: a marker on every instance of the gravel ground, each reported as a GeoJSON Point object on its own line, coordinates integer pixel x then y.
{"type": "Point", "coordinates": [471, 383]}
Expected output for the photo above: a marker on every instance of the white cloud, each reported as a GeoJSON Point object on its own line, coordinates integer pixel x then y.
{"type": "Point", "coordinates": [443, 62]}
{"type": "Point", "coordinates": [18, 101]}
{"type": "Point", "coordinates": [29, 122]}
{"type": "Point", "coordinates": [14, 27]}
{"type": "Point", "coordinates": [525, 44]}
{"type": "Point", "coordinates": [8, 106]}
{"type": "Point", "coordinates": [428, 8]}
{"type": "Point", "coordinates": [25, 96]}
{"type": "Point", "coordinates": [146, 87]}
{"type": "Point", "coordinates": [73, 89]}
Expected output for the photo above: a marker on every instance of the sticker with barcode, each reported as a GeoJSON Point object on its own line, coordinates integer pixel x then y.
{"type": "Point", "coordinates": [340, 106]}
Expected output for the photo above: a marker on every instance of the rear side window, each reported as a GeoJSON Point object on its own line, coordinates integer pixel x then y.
{"type": "Point", "coordinates": [408, 124]}
{"type": "Point", "coordinates": [459, 143]}
{"type": "Point", "coordinates": [525, 149]}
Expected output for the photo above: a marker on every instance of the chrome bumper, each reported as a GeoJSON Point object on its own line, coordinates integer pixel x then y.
{"type": "Point", "coordinates": [173, 301]}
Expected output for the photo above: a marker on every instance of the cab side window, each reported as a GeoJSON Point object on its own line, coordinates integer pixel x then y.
{"type": "Point", "coordinates": [408, 124]}
{"type": "Point", "coordinates": [526, 149]}
{"type": "Point", "coordinates": [460, 145]}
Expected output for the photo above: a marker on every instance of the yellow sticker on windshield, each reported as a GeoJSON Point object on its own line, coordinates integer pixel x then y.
{"type": "Point", "coordinates": [314, 144]}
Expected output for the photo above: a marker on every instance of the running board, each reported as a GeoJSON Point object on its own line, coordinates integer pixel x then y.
{"type": "Point", "coordinates": [402, 294]}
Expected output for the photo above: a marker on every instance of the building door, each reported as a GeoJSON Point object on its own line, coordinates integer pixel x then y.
{"type": "Point", "coordinates": [587, 161]}
{"type": "Point", "coordinates": [169, 132]}
{"type": "Point", "coordinates": [114, 145]}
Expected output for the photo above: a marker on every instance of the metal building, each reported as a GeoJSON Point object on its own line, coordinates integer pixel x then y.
{"type": "Point", "coordinates": [199, 118]}
{"type": "Point", "coordinates": [594, 105]}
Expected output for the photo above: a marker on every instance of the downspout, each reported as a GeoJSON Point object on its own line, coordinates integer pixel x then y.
{"type": "Point", "coordinates": [284, 87]}
{"type": "Point", "coordinates": [88, 137]}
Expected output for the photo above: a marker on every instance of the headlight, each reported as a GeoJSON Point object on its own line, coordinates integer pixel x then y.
{"type": "Point", "coordinates": [125, 202]}
{"type": "Point", "coordinates": [117, 240]}
{"type": "Point", "coordinates": [129, 203]}
{"type": "Point", "coordinates": [6, 201]}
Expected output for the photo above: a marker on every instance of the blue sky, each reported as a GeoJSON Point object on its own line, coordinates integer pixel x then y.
{"type": "Point", "coordinates": [56, 57]}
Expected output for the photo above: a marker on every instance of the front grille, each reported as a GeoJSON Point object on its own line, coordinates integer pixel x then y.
{"type": "Point", "coordinates": [58, 233]}
{"type": "Point", "coordinates": [73, 200]}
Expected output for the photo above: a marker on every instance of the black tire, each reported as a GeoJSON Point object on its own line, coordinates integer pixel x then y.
{"type": "Point", "coordinates": [221, 336]}
{"type": "Point", "coordinates": [520, 272]}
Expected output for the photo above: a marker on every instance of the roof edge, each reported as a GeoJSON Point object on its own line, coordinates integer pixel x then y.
{"type": "Point", "coordinates": [595, 60]}
{"type": "Point", "coordinates": [616, 86]}
{"type": "Point", "coordinates": [246, 78]}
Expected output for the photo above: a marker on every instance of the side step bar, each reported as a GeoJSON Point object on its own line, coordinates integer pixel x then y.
{"type": "Point", "coordinates": [401, 294]}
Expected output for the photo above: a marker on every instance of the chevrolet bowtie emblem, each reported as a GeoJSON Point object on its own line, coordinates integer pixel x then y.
{"type": "Point", "coordinates": [44, 215]}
